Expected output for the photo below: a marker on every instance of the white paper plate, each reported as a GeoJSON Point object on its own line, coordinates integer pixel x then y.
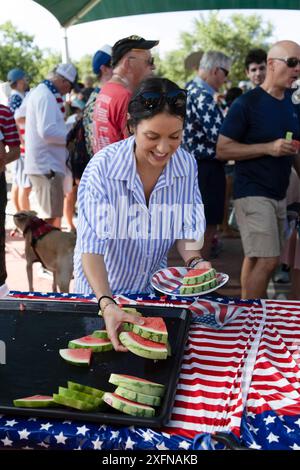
{"type": "Point", "coordinates": [169, 280]}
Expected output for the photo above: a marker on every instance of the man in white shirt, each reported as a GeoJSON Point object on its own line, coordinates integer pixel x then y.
{"type": "Point", "coordinates": [46, 132]}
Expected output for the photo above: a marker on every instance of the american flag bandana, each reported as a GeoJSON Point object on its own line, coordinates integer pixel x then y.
{"type": "Point", "coordinates": [56, 93]}
{"type": "Point", "coordinates": [215, 314]}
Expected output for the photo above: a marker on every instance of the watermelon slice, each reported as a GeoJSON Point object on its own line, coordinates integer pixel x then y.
{"type": "Point", "coordinates": [143, 347]}
{"type": "Point", "coordinates": [96, 344]}
{"type": "Point", "coordinates": [129, 326]}
{"type": "Point", "coordinates": [198, 288]}
{"type": "Point", "coordinates": [136, 384]}
{"type": "Point", "coordinates": [73, 403]}
{"type": "Point", "coordinates": [85, 389]}
{"type": "Point", "coordinates": [196, 276]}
{"type": "Point", "coordinates": [85, 397]}
{"type": "Point", "coordinates": [138, 397]}
{"type": "Point", "coordinates": [127, 406]}
{"type": "Point", "coordinates": [78, 357]}
{"type": "Point", "coordinates": [154, 328]}
{"type": "Point", "coordinates": [102, 334]}
{"type": "Point", "coordinates": [36, 401]}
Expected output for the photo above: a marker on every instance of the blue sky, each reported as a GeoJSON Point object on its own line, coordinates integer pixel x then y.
{"type": "Point", "coordinates": [87, 38]}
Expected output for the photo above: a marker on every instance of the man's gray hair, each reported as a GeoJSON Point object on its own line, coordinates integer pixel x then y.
{"type": "Point", "coordinates": [212, 59]}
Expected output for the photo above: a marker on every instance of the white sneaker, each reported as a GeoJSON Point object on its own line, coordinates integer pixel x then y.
{"type": "Point", "coordinates": [44, 273]}
{"type": "Point", "coordinates": [4, 291]}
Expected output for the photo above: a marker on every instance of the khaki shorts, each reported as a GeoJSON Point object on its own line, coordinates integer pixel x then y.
{"type": "Point", "coordinates": [49, 193]}
{"type": "Point", "coordinates": [261, 222]}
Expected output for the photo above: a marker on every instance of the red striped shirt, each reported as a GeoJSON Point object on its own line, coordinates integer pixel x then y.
{"type": "Point", "coordinates": [8, 127]}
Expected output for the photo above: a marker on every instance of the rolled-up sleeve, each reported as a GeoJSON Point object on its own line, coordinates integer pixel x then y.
{"type": "Point", "coordinates": [193, 226]}
{"type": "Point", "coordinates": [94, 214]}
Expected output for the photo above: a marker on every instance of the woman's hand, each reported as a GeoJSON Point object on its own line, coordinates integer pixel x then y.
{"type": "Point", "coordinates": [203, 265]}
{"type": "Point", "coordinates": [114, 318]}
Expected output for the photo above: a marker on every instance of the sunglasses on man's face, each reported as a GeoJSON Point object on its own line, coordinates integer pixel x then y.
{"type": "Point", "coordinates": [225, 71]}
{"type": "Point", "coordinates": [149, 61]}
{"type": "Point", "coordinates": [152, 99]}
{"type": "Point", "coordinates": [291, 62]}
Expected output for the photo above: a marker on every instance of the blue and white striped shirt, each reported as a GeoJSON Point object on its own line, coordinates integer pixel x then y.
{"type": "Point", "coordinates": [115, 221]}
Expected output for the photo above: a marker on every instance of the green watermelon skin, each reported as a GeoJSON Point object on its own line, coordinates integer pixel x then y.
{"type": "Point", "coordinates": [143, 347]}
{"type": "Point", "coordinates": [85, 389]}
{"type": "Point", "coordinates": [72, 403]}
{"type": "Point", "coordinates": [154, 329]}
{"type": "Point", "coordinates": [89, 399]}
{"type": "Point", "coordinates": [128, 407]}
{"type": "Point", "coordinates": [133, 311]}
{"type": "Point", "coordinates": [77, 357]}
{"type": "Point", "coordinates": [102, 334]}
{"type": "Point", "coordinates": [196, 289]}
{"type": "Point", "coordinates": [96, 344]}
{"type": "Point", "coordinates": [198, 278]}
{"type": "Point", "coordinates": [138, 397]}
{"type": "Point", "coordinates": [36, 401]}
{"type": "Point", "coordinates": [137, 384]}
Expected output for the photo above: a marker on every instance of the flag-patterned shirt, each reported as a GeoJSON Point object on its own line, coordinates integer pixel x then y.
{"type": "Point", "coordinates": [8, 127]}
{"type": "Point", "coordinates": [115, 221]}
{"type": "Point", "coordinates": [203, 121]}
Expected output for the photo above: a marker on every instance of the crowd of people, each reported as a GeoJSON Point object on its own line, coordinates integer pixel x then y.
{"type": "Point", "coordinates": [134, 143]}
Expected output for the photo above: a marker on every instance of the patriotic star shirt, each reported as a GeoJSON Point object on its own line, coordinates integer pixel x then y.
{"type": "Point", "coordinates": [203, 120]}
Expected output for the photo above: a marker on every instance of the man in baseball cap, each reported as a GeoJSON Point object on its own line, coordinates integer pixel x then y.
{"type": "Point", "coordinates": [69, 73]}
{"type": "Point", "coordinates": [131, 62]}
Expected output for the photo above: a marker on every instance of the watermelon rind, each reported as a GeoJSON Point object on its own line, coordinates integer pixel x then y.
{"type": "Point", "coordinates": [96, 344]}
{"type": "Point", "coordinates": [85, 389]}
{"type": "Point", "coordinates": [136, 384]}
{"type": "Point", "coordinates": [90, 399]}
{"type": "Point", "coordinates": [138, 397]}
{"type": "Point", "coordinates": [77, 357]}
{"type": "Point", "coordinates": [129, 326]}
{"type": "Point", "coordinates": [198, 288]}
{"type": "Point", "coordinates": [102, 334]}
{"type": "Point", "coordinates": [127, 406]}
{"type": "Point", "coordinates": [36, 401]}
{"type": "Point", "coordinates": [150, 332]}
{"type": "Point", "coordinates": [142, 347]}
{"type": "Point", "coordinates": [73, 403]}
{"type": "Point", "coordinates": [198, 279]}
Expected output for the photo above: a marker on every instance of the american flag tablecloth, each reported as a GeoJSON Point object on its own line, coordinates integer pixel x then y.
{"type": "Point", "coordinates": [240, 378]}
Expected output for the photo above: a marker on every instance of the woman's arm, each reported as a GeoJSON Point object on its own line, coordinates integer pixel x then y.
{"type": "Point", "coordinates": [187, 254]}
{"type": "Point", "coordinates": [96, 274]}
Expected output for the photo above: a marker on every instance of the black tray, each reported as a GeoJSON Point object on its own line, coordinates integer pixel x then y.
{"type": "Point", "coordinates": [33, 366]}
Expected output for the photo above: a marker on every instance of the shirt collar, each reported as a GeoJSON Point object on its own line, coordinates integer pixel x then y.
{"type": "Point", "coordinates": [123, 166]}
{"type": "Point", "coordinates": [204, 85]}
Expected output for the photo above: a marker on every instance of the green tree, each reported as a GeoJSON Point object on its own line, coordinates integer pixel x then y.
{"type": "Point", "coordinates": [17, 49]}
{"type": "Point", "coordinates": [234, 37]}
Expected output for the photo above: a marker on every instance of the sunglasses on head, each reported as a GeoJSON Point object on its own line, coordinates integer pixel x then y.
{"type": "Point", "coordinates": [176, 99]}
{"type": "Point", "coordinates": [225, 71]}
{"type": "Point", "coordinates": [291, 62]}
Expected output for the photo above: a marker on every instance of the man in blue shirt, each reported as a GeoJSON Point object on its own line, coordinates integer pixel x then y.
{"type": "Point", "coordinates": [202, 125]}
{"type": "Point", "coordinates": [254, 135]}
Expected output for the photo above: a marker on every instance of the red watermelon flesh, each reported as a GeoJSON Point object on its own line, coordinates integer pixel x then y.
{"type": "Point", "coordinates": [196, 272]}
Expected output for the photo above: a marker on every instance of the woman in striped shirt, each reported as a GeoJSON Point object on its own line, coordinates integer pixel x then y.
{"type": "Point", "coordinates": [138, 197]}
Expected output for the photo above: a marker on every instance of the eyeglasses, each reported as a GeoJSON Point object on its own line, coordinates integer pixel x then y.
{"type": "Point", "coordinates": [176, 99]}
{"type": "Point", "coordinates": [225, 71]}
{"type": "Point", "coordinates": [149, 61]}
{"type": "Point", "coordinates": [291, 62]}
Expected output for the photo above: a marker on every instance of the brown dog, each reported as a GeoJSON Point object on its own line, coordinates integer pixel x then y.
{"type": "Point", "coordinates": [52, 247]}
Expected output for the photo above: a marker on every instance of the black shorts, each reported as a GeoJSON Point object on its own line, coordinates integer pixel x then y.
{"type": "Point", "coordinates": [212, 184]}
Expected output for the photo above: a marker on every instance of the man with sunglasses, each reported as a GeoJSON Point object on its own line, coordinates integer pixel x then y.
{"type": "Point", "coordinates": [256, 66]}
{"type": "Point", "coordinates": [203, 122]}
{"type": "Point", "coordinates": [46, 133]}
{"type": "Point", "coordinates": [131, 63]}
{"type": "Point", "coordinates": [254, 135]}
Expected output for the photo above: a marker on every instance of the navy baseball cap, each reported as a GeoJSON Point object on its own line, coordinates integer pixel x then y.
{"type": "Point", "coordinates": [127, 44]}
{"type": "Point", "coordinates": [101, 57]}
{"type": "Point", "coordinates": [14, 75]}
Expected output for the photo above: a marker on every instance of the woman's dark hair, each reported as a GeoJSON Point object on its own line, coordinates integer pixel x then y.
{"type": "Point", "coordinates": [153, 96]}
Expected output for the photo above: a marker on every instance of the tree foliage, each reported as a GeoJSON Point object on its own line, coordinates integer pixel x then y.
{"type": "Point", "coordinates": [235, 37]}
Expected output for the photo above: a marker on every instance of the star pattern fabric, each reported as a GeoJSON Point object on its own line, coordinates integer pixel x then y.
{"type": "Point", "coordinates": [203, 122]}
